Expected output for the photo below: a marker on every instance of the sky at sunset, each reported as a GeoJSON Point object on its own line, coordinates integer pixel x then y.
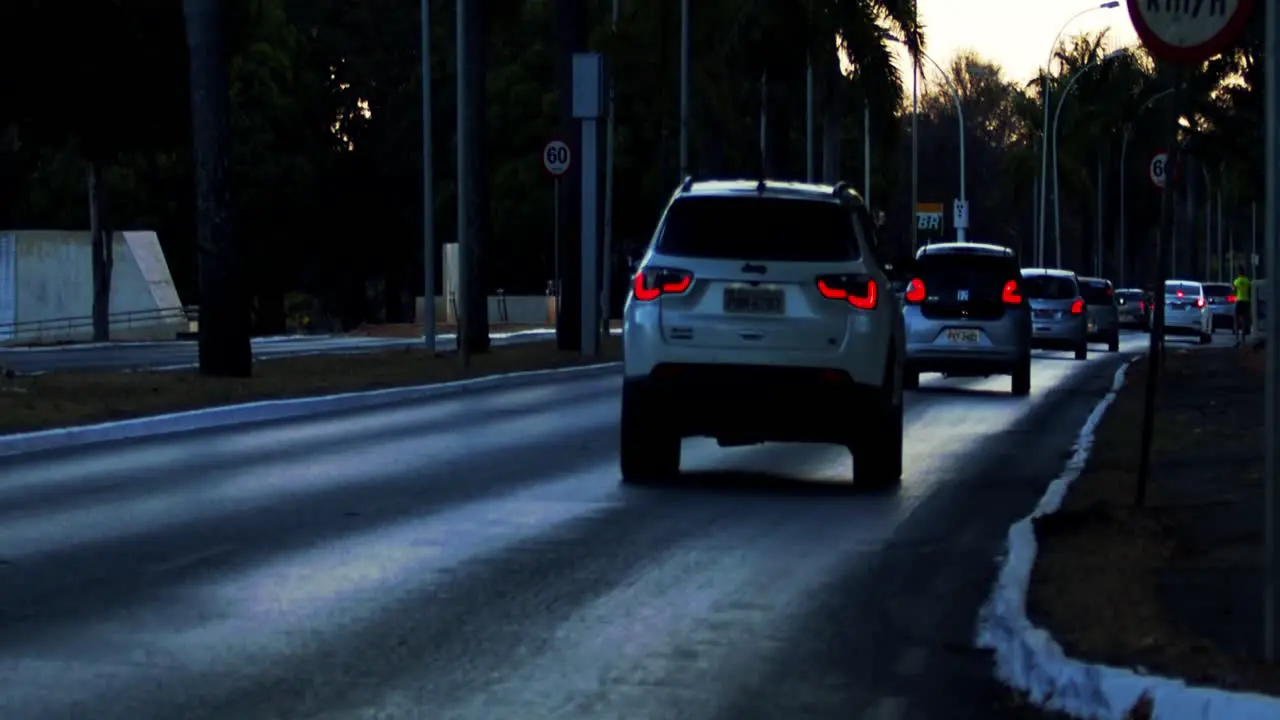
{"type": "Point", "coordinates": [1016, 34]}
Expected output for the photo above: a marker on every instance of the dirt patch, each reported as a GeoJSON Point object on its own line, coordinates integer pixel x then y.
{"type": "Point", "coordinates": [62, 399]}
{"type": "Point", "coordinates": [1175, 587]}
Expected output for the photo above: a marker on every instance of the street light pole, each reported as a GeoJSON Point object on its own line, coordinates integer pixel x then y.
{"type": "Point", "coordinates": [1124, 150]}
{"type": "Point", "coordinates": [428, 192]}
{"type": "Point", "coordinates": [1271, 231]}
{"type": "Point", "coordinates": [684, 89]}
{"type": "Point", "coordinates": [955, 95]}
{"type": "Point", "coordinates": [1053, 132]}
{"type": "Point", "coordinates": [1044, 149]}
{"type": "Point", "coordinates": [915, 136]}
{"type": "Point", "coordinates": [606, 289]}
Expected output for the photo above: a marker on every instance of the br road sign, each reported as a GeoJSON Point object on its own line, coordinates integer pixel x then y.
{"type": "Point", "coordinates": [1188, 31]}
{"type": "Point", "coordinates": [556, 158]}
{"type": "Point", "coordinates": [1158, 170]}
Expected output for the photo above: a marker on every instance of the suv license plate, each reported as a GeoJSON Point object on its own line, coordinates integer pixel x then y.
{"type": "Point", "coordinates": [964, 337]}
{"type": "Point", "coordinates": [754, 300]}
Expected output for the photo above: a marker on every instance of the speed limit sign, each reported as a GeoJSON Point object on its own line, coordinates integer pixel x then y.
{"type": "Point", "coordinates": [556, 158]}
{"type": "Point", "coordinates": [1158, 170]}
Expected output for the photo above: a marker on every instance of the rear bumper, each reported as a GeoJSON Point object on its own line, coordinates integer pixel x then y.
{"type": "Point", "coordinates": [756, 403]}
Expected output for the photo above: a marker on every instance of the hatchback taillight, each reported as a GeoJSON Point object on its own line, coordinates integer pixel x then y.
{"type": "Point", "coordinates": [1011, 295]}
{"type": "Point", "coordinates": [1199, 302]}
{"type": "Point", "coordinates": [915, 291]}
{"type": "Point", "coordinates": [1231, 298]}
{"type": "Point", "coordinates": [1077, 307]}
{"type": "Point", "coordinates": [859, 291]}
{"type": "Point", "coordinates": [653, 283]}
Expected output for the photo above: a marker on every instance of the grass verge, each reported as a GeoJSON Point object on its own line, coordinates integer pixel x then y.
{"type": "Point", "coordinates": [62, 399]}
{"type": "Point", "coordinates": [1174, 587]}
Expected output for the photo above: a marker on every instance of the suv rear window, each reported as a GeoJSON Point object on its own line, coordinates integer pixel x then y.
{"type": "Point", "coordinates": [1171, 288]}
{"type": "Point", "coordinates": [965, 271]}
{"type": "Point", "coordinates": [1095, 292]}
{"type": "Point", "coordinates": [1217, 290]}
{"type": "Point", "coordinates": [759, 228]}
{"type": "Point", "coordinates": [1049, 287]}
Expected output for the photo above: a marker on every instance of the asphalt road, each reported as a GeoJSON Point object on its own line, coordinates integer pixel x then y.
{"type": "Point", "coordinates": [475, 557]}
{"type": "Point", "coordinates": [174, 354]}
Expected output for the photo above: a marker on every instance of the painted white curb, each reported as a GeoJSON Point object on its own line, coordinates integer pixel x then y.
{"type": "Point", "coordinates": [227, 415]}
{"type": "Point", "coordinates": [1027, 658]}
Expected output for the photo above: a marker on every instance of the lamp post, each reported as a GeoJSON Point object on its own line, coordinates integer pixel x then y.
{"type": "Point", "coordinates": [1053, 132]}
{"type": "Point", "coordinates": [1124, 150]}
{"type": "Point", "coordinates": [1044, 150]}
{"type": "Point", "coordinates": [955, 95]}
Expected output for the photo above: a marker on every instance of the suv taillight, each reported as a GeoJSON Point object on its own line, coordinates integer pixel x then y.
{"type": "Point", "coordinates": [859, 291]}
{"type": "Point", "coordinates": [1077, 307]}
{"type": "Point", "coordinates": [915, 291]}
{"type": "Point", "coordinates": [1231, 298]}
{"type": "Point", "coordinates": [1010, 294]}
{"type": "Point", "coordinates": [1199, 302]}
{"type": "Point", "coordinates": [653, 283]}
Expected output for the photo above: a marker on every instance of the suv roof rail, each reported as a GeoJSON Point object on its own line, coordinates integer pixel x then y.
{"type": "Point", "coordinates": [687, 185]}
{"type": "Point", "coordinates": [841, 187]}
{"type": "Point", "coordinates": [760, 186]}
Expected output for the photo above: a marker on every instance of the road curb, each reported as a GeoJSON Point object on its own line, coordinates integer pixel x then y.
{"type": "Point", "coordinates": [228, 415]}
{"type": "Point", "coordinates": [1027, 658]}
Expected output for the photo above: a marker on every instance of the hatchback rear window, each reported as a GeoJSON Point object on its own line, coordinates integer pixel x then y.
{"type": "Point", "coordinates": [1172, 288]}
{"type": "Point", "coordinates": [1095, 293]}
{"type": "Point", "coordinates": [966, 271]}
{"type": "Point", "coordinates": [1217, 291]}
{"type": "Point", "coordinates": [1049, 287]}
{"type": "Point", "coordinates": [759, 228]}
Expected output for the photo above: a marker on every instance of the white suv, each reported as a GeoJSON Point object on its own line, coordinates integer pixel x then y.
{"type": "Point", "coordinates": [760, 314]}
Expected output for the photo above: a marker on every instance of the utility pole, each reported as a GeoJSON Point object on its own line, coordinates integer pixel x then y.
{"type": "Point", "coordinates": [224, 346]}
{"type": "Point", "coordinates": [466, 145]}
{"type": "Point", "coordinates": [570, 38]}
{"type": "Point", "coordinates": [684, 89]}
{"type": "Point", "coordinates": [606, 287]}
{"type": "Point", "coordinates": [428, 192]}
{"type": "Point", "coordinates": [915, 129]}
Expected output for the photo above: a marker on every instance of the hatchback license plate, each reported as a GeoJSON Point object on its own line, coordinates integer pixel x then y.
{"type": "Point", "coordinates": [1045, 314]}
{"type": "Point", "coordinates": [964, 337]}
{"type": "Point", "coordinates": [754, 300]}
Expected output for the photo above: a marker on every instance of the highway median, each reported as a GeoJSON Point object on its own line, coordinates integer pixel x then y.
{"type": "Point", "coordinates": [1173, 588]}
{"type": "Point", "coordinates": [30, 403]}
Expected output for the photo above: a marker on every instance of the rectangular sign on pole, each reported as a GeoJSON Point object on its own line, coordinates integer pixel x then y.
{"type": "Point", "coordinates": [589, 107]}
{"type": "Point", "coordinates": [930, 216]}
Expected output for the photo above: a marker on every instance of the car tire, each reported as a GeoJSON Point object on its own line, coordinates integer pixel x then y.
{"type": "Point", "coordinates": [1113, 342]}
{"type": "Point", "coordinates": [650, 450]}
{"type": "Point", "coordinates": [910, 379]}
{"type": "Point", "coordinates": [877, 448]}
{"type": "Point", "coordinates": [1020, 384]}
{"type": "Point", "coordinates": [1082, 351]}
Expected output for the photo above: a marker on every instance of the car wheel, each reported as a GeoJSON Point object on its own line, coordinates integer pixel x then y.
{"type": "Point", "coordinates": [650, 450]}
{"type": "Point", "coordinates": [1082, 351]}
{"type": "Point", "coordinates": [910, 379]}
{"type": "Point", "coordinates": [877, 448]}
{"type": "Point", "coordinates": [1113, 342]}
{"type": "Point", "coordinates": [1021, 382]}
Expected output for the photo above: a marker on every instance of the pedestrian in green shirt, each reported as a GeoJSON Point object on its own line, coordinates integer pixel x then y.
{"type": "Point", "coordinates": [1244, 317]}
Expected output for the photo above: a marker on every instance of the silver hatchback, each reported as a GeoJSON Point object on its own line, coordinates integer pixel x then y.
{"type": "Point", "coordinates": [1102, 311]}
{"type": "Point", "coordinates": [966, 315]}
{"type": "Point", "coordinates": [1058, 317]}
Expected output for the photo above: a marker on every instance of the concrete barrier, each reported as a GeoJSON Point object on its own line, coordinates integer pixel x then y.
{"type": "Point", "coordinates": [514, 309]}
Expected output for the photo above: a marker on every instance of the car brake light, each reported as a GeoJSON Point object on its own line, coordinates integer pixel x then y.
{"type": "Point", "coordinates": [1179, 293]}
{"type": "Point", "coordinates": [915, 291]}
{"type": "Point", "coordinates": [1200, 302]}
{"type": "Point", "coordinates": [1077, 307]}
{"type": "Point", "coordinates": [1010, 294]}
{"type": "Point", "coordinates": [653, 283]}
{"type": "Point", "coordinates": [1142, 306]}
{"type": "Point", "coordinates": [859, 290]}
{"type": "Point", "coordinates": [1231, 298]}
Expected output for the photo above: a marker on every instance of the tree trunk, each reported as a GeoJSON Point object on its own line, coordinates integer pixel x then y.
{"type": "Point", "coordinates": [475, 332]}
{"type": "Point", "coordinates": [224, 308]}
{"type": "Point", "coordinates": [571, 37]}
{"type": "Point", "coordinates": [101, 247]}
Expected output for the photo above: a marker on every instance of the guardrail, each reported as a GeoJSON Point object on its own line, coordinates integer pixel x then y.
{"type": "Point", "coordinates": [61, 327]}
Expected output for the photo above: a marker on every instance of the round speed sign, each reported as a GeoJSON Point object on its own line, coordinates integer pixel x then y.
{"type": "Point", "coordinates": [1158, 169]}
{"type": "Point", "coordinates": [556, 157]}
{"type": "Point", "coordinates": [1188, 31]}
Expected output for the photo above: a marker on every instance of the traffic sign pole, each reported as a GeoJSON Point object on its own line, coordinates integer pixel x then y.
{"type": "Point", "coordinates": [1271, 100]}
{"type": "Point", "coordinates": [556, 158]}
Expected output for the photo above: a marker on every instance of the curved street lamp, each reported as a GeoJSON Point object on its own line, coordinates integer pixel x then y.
{"type": "Point", "coordinates": [1053, 132]}
{"type": "Point", "coordinates": [1044, 150]}
{"type": "Point", "coordinates": [955, 96]}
